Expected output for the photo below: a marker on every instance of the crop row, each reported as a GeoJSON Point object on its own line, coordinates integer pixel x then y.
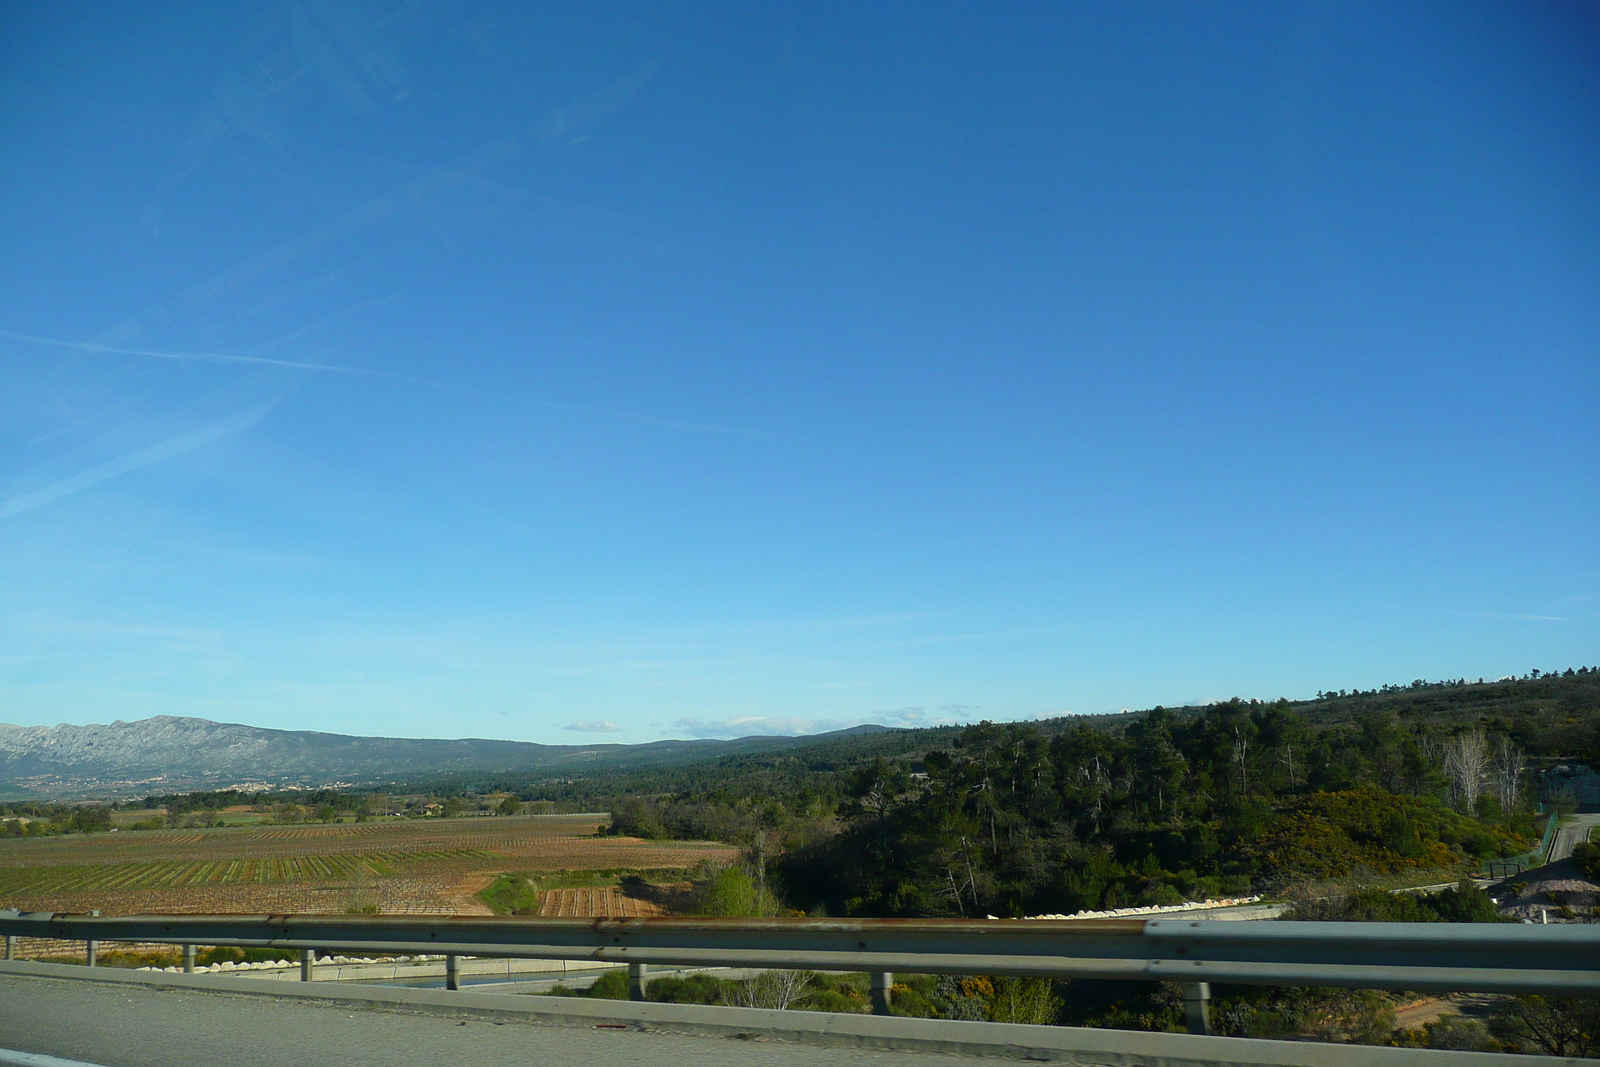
{"type": "Point", "coordinates": [160, 846]}
{"type": "Point", "coordinates": [20, 881]}
{"type": "Point", "coordinates": [94, 849]}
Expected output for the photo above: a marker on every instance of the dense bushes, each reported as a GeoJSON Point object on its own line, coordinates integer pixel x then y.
{"type": "Point", "coordinates": [1010, 821]}
{"type": "Point", "coordinates": [923, 996]}
{"type": "Point", "coordinates": [1587, 857]}
{"type": "Point", "coordinates": [1465, 903]}
{"type": "Point", "coordinates": [1555, 1026]}
{"type": "Point", "coordinates": [736, 892]}
{"type": "Point", "coordinates": [1327, 835]}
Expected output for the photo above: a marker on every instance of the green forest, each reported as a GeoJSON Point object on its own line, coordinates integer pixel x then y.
{"type": "Point", "coordinates": [1325, 801]}
{"type": "Point", "coordinates": [1155, 807]}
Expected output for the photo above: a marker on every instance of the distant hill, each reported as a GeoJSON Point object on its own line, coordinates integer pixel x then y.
{"type": "Point", "coordinates": [168, 754]}
{"type": "Point", "coordinates": [1551, 716]}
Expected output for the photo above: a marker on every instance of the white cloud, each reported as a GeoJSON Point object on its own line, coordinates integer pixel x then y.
{"type": "Point", "coordinates": [601, 727]}
{"type": "Point", "coordinates": [782, 726]}
{"type": "Point", "coordinates": [757, 725]}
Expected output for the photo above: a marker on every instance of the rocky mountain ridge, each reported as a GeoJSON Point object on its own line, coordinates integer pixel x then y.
{"type": "Point", "coordinates": [169, 753]}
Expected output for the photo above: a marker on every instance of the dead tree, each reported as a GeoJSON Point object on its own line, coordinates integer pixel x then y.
{"type": "Point", "coordinates": [1466, 759]}
{"type": "Point", "coordinates": [1509, 765]}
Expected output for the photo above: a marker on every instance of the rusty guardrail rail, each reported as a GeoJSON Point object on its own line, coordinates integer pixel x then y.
{"type": "Point", "coordinates": [1439, 957]}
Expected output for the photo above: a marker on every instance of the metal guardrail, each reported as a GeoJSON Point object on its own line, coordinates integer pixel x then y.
{"type": "Point", "coordinates": [1438, 957]}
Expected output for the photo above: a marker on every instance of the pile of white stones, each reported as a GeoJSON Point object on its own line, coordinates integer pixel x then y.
{"type": "Point", "coordinates": [278, 965]}
{"type": "Point", "coordinates": [1153, 909]}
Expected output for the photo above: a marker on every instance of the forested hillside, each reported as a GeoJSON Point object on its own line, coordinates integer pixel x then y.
{"type": "Point", "coordinates": [1010, 822]}
{"type": "Point", "coordinates": [1150, 807]}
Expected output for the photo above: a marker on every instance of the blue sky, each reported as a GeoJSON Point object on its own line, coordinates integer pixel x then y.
{"type": "Point", "coordinates": [629, 371]}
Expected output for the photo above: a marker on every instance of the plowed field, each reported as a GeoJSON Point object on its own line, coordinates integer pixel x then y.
{"type": "Point", "coordinates": [600, 902]}
{"type": "Point", "coordinates": [416, 866]}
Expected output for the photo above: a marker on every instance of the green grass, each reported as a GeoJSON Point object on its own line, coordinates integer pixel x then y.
{"type": "Point", "coordinates": [517, 892]}
{"type": "Point", "coordinates": [511, 894]}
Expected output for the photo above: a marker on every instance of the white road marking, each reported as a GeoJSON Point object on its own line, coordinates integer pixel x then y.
{"type": "Point", "coordinates": [35, 1059]}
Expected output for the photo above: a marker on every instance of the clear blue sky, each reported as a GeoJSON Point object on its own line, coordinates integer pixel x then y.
{"type": "Point", "coordinates": [450, 369]}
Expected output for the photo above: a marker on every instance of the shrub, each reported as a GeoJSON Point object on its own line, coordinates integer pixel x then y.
{"type": "Point", "coordinates": [1587, 857]}
{"type": "Point", "coordinates": [837, 1000]}
{"type": "Point", "coordinates": [769, 989]}
{"type": "Point", "coordinates": [911, 1000]}
{"type": "Point", "coordinates": [613, 985]}
{"type": "Point", "coordinates": [511, 894]}
{"type": "Point", "coordinates": [1356, 1016]}
{"type": "Point", "coordinates": [1555, 1026]}
{"type": "Point", "coordinates": [1024, 1000]}
{"type": "Point", "coordinates": [1330, 835]}
{"type": "Point", "coordinates": [687, 989]}
{"type": "Point", "coordinates": [1451, 1032]}
{"type": "Point", "coordinates": [1465, 903]}
{"type": "Point", "coordinates": [733, 893]}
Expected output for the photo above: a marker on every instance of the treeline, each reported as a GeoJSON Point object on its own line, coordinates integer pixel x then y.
{"type": "Point", "coordinates": [36, 819]}
{"type": "Point", "coordinates": [1140, 808]}
{"type": "Point", "coordinates": [1547, 715]}
{"type": "Point", "coordinates": [1244, 796]}
{"type": "Point", "coordinates": [277, 807]}
{"type": "Point", "coordinates": [40, 818]}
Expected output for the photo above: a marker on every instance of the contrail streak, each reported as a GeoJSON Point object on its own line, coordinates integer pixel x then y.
{"type": "Point", "coordinates": [143, 457]}
{"type": "Point", "coordinates": [218, 357]}
{"type": "Point", "coordinates": [553, 405]}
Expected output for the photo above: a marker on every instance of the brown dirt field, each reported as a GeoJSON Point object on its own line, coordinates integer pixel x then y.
{"type": "Point", "coordinates": [428, 866]}
{"type": "Point", "coordinates": [1412, 1015]}
{"type": "Point", "coordinates": [598, 902]}
{"type": "Point", "coordinates": [464, 894]}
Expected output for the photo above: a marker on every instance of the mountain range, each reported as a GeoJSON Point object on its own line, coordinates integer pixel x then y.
{"type": "Point", "coordinates": [1549, 715]}
{"type": "Point", "coordinates": [167, 754]}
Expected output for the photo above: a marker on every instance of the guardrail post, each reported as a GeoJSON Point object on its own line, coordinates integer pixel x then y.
{"type": "Point", "coordinates": [638, 979]}
{"type": "Point", "coordinates": [91, 949]}
{"type": "Point", "coordinates": [188, 959]}
{"type": "Point", "coordinates": [882, 992]}
{"type": "Point", "coordinates": [452, 973]}
{"type": "Point", "coordinates": [308, 963]}
{"type": "Point", "coordinates": [11, 946]}
{"type": "Point", "coordinates": [1197, 1006]}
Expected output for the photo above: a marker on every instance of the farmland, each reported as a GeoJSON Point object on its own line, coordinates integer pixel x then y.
{"type": "Point", "coordinates": [427, 866]}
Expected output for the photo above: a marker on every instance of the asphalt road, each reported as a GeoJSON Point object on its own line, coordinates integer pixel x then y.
{"type": "Point", "coordinates": [130, 1026]}
{"type": "Point", "coordinates": [1572, 832]}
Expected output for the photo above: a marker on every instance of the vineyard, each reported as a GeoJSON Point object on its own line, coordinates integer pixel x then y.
{"type": "Point", "coordinates": [598, 902]}
{"type": "Point", "coordinates": [412, 866]}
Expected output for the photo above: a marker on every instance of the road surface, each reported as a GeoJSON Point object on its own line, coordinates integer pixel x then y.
{"type": "Point", "coordinates": [133, 1026]}
{"type": "Point", "coordinates": [1571, 832]}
